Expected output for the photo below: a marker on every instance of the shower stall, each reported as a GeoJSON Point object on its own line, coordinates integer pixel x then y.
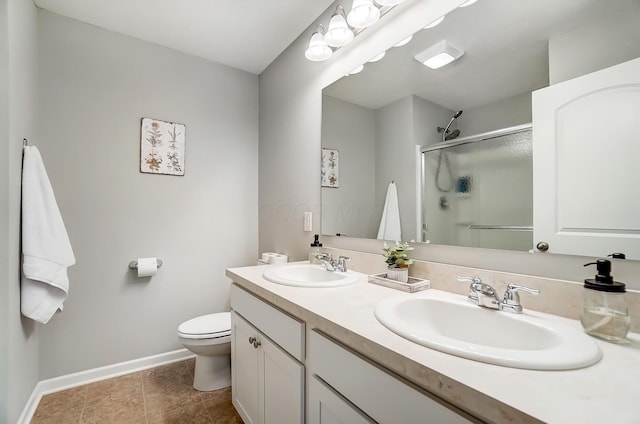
{"type": "Point", "coordinates": [477, 191]}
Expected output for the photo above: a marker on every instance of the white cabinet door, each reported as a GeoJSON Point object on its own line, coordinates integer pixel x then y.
{"type": "Point", "coordinates": [267, 383]}
{"type": "Point", "coordinates": [586, 143]}
{"type": "Point", "coordinates": [282, 380]}
{"type": "Point", "coordinates": [245, 391]}
{"type": "Point", "coordinates": [328, 407]}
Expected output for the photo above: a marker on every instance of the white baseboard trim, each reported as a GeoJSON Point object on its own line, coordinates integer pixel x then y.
{"type": "Point", "coordinates": [56, 384]}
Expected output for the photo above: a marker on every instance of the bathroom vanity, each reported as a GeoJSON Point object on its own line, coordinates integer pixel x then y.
{"type": "Point", "coordinates": [319, 355]}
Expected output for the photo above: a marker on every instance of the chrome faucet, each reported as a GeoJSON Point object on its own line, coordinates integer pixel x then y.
{"type": "Point", "coordinates": [332, 265]}
{"type": "Point", "coordinates": [484, 295]}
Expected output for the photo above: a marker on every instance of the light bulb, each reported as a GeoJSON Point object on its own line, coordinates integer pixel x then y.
{"type": "Point", "coordinates": [377, 57]}
{"type": "Point", "coordinates": [356, 70]}
{"type": "Point", "coordinates": [363, 14]}
{"type": "Point", "coordinates": [388, 2]}
{"type": "Point", "coordinates": [435, 23]}
{"type": "Point", "coordinates": [468, 3]}
{"type": "Point", "coordinates": [318, 49]}
{"type": "Point", "coordinates": [339, 32]}
{"type": "Point", "coordinates": [403, 42]}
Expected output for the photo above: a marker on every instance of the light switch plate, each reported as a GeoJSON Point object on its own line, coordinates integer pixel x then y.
{"type": "Point", "coordinates": [308, 221]}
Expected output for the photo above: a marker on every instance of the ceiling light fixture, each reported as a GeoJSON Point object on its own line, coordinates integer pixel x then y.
{"type": "Point", "coordinates": [338, 34]}
{"type": "Point", "coordinates": [377, 57]}
{"type": "Point", "coordinates": [318, 49]}
{"type": "Point", "coordinates": [439, 55]}
{"type": "Point", "coordinates": [468, 3]}
{"type": "Point", "coordinates": [363, 14]}
{"type": "Point", "coordinates": [403, 42]}
{"type": "Point", "coordinates": [435, 23]}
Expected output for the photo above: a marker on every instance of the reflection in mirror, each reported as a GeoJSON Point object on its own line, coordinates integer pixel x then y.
{"type": "Point", "coordinates": [384, 119]}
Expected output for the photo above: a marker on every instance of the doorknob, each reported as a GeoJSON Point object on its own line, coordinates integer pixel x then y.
{"type": "Point", "coordinates": [542, 246]}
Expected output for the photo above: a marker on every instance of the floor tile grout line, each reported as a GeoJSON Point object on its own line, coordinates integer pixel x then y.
{"type": "Point", "coordinates": [84, 403]}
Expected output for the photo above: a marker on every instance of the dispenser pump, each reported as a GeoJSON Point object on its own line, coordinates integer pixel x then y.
{"type": "Point", "coordinates": [603, 280]}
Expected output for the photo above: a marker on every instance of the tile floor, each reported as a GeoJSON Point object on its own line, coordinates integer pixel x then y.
{"type": "Point", "coordinates": [158, 395]}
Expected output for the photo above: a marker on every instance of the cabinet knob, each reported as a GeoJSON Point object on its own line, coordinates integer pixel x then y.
{"type": "Point", "coordinates": [256, 343]}
{"type": "Point", "coordinates": [252, 340]}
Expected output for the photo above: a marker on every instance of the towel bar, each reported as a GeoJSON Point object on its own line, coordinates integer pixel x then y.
{"type": "Point", "coordinates": [134, 264]}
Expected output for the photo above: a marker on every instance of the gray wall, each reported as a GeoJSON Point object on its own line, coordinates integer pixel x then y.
{"type": "Point", "coordinates": [290, 120]}
{"type": "Point", "coordinates": [18, 120]}
{"type": "Point", "coordinates": [349, 209]}
{"type": "Point", "coordinates": [606, 42]}
{"type": "Point", "coordinates": [95, 86]}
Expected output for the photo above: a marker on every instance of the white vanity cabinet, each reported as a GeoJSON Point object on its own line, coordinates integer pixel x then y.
{"type": "Point", "coordinates": [585, 163]}
{"type": "Point", "coordinates": [267, 350]}
{"type": "Point", "coordinates": [346, 388]}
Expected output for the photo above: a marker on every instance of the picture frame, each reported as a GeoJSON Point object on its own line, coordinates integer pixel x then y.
{"type": "Point", "coordinates": [162, 147]}
{"type": "Point", "coordinates": [330, 168]}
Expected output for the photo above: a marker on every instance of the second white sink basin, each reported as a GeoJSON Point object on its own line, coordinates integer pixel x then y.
{"type": "Point", "coordinates": [448, 323]}
{"type": "Point", "coordinates": [307, 275]}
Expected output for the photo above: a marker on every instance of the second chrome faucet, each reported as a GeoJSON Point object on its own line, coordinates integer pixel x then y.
{"type": "Point", "coordinates": [484, 295]}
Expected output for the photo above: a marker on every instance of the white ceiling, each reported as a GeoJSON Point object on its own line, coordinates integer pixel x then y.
{"type": "Point", "coordinates": [244, 34]}
{"type": "Point", "coordinates": [506, 53]}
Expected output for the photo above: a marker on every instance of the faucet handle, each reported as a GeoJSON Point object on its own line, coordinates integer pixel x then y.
{"type": "Point", "coordinates": [474, 288]}
{"type": "Point", "coordinates": [472, 280]}
{"type": "Point", "coordinates": [324, 257]}
{"type": "Point", "coordinates": [511, 299]}
{"type": "Point", "coordinates": [342, 263]}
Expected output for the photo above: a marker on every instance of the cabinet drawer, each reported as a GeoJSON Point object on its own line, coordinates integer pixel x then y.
{"type": "Point", "coordinates": [380, 395]}
{"type": "Point", "coordinates": [283, 329]}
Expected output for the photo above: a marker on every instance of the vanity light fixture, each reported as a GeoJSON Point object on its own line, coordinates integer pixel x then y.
{"type": "Point", "coordinates": [384, 3]}
{"type": "Point", "coordinates": [338, 34]}
{"type": "Point", "coordinates": [468, 3]}
{"type": "Point", "coordinates": [403, 42]}
{"type": "Point", "coordinates": [377, 57]}
{"type": "Point", "coordinates": [435, 23]}
{"type": "Point", "coordinates": [356, 70]}
{"type": "Point", "coordinates": [342, 29]}
{"type": "Point", "coordinates": [318, 49]}
{"type": "Point", "coordinates": [363, 14]}
{"type": "Point", "coordinates": [439, 55]}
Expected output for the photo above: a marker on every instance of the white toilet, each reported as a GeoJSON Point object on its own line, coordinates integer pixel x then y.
{"type": "Point", "coordinates": [209, 337]}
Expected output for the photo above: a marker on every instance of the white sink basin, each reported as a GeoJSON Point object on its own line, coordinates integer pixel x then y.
{"type": "Point", "coordinates": [448, 323]}
{"type": "Point", "coordinates": [306, 275]}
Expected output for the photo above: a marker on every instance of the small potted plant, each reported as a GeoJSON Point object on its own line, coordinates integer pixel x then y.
{"type": "Point", "coordinates": [397, 261]}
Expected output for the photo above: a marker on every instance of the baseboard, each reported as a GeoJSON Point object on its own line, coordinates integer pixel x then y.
{"type": "Point", "coordinates": [68, 381]}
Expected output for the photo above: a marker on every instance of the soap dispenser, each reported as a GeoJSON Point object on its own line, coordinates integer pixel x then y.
{"type": "Point", "coordinates": [604, 308]}
{"type": "Point", "coordinates": [314, 250]}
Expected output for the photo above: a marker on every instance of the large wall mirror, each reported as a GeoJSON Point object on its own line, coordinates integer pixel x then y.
{"type": "Point", "coordinates": [454, 144]}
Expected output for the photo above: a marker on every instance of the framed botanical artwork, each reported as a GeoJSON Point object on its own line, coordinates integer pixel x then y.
{"type": "Point", "coordinates": [162, 147]}
{"type": "Point", "coordinates": [330, 169]}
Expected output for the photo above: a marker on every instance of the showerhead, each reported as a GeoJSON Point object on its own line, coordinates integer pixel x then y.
{"type": "Point", "coordinates": [452, 134]}
{"type": "Point", "coordinates": [446, 135]}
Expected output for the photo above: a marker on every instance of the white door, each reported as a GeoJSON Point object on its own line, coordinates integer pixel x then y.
{"type": "Point", "coordinates": [586, 153]}
{"type": "Point", "coordinates": [282, 380]}
{"type": "Point", "coordinates": [328, 407]}
{"type": "Point", "coordinates": [245, 390]}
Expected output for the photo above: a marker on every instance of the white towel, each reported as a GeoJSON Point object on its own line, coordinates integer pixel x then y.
{"type": "Point", "coordinates": [390, 222]}
{"type": "Point", "coordinates": [46, 250]}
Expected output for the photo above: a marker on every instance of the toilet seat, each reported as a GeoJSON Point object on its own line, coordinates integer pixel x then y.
{"type": "Point", "coordinates": [209, 326]}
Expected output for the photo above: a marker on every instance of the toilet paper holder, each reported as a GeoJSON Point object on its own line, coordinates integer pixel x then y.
{"type": "Point", "coordinates": [134, 264]}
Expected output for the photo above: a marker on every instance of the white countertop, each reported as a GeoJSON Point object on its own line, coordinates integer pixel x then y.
{"type": "Point", "coordinates": [607, 392]}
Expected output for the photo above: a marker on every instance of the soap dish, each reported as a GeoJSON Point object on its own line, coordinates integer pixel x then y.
{"type": "Point", "coordinates": [413, 285]}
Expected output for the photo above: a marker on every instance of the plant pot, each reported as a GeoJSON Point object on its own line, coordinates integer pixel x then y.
{"type": "Point", "coordinates": [398, 274]}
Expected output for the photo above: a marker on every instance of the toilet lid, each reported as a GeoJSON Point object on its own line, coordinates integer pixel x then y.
{"type": "Point", "coordinates": [212, 325]}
